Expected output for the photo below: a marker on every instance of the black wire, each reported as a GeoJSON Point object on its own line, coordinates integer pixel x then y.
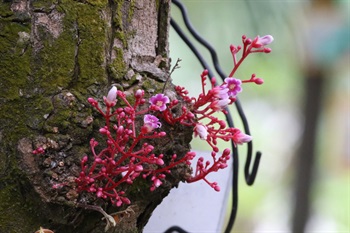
{"type": "Point", "coordinates": [228, 119]}
{"type": "Point", "coordinates": [250, 177]}
{"type": "Point", "coordinates": [200, 39]}
{"type": "Point", "coordinates": [191, 46]}
{"type": "Point", "coordinates": [175, 229]}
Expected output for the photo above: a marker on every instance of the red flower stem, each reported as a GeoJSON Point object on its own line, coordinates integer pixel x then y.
{"type": "Point", "coordinates": [244, 55]}
{"type": "Point", "coordinates": [100, 110]}
{"type": "Point", "coordinates": [202, 175]}
{"type": "Point", "coordinates": [171, 165]}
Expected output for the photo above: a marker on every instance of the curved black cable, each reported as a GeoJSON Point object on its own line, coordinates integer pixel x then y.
{"type": "Point", "coordinates": [175, 229]}
{"type": "Point", "coordinates": [199, 38]}
{"type": "Point", "coordinates": [191, 46]}
{"type": "Point", "coordinates": [249, 177]}
{"type": "Point", "coordinates": [230, 123]}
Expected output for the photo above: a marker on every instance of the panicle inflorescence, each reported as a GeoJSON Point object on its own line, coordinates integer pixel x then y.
{"type": "Point", "coordinates": [128, 154]}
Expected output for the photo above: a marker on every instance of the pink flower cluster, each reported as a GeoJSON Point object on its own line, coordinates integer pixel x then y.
{"type": "Point", "coordinates": [128, 156]}
{"type": "Point", "coordinates": [121, 162]}
{"type": "Point", "coordinates": [216, 99]}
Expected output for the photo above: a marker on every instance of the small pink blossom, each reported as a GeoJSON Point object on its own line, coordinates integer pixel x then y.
{"type": "Point", "coordinates": [219, 105]}
{"type": "Point", "coordinates": [240, 138]}
{"type": "Point", "coordinates": [151, 122]}
{"type": "Point", "coordinates": [220, 92]}
{"type": "Point", "coordinates": [201, 131]}
{"type": "Point", "coordinates": [262, 41]}
{"type": "Point", "coordinates": [159, 101]}
{"type": "Point", "coordinates": [233, 85]}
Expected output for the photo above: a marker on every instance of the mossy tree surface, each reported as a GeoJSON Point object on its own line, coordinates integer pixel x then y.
{"type": "Point", "coordinates": [53, 56]}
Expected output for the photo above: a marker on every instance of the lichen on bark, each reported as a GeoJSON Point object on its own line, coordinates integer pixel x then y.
{"type": "Point", "coordinates": [54, 55]}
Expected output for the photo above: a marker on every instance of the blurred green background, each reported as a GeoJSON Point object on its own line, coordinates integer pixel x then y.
{"type": "Point", "coordinates": [310, 37]}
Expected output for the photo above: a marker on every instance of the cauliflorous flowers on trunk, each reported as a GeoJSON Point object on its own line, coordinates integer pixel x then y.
{"type": "Point", "coordinates": [233, 85]}
{"type": "Point", "coordinates": [159, 101]}
{"type": "Point", "coordinates": [129, 145]}
{"type": "Point", "coordinates": [151, 122]}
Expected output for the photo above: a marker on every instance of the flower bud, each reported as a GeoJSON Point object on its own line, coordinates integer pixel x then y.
{"type": "Point", "coordinates": [160, 162]}
{"type": "Point", "coordinates": [111, 98]}
{"type": "Point", "coordinates": [139, 93]}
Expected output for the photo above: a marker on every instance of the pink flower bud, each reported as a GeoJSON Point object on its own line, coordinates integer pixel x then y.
{"type": "Point", "coordinates": [227, 151]}
{"type": "Point", "coordinates": [120, 129]}
{"type": "Point", "coordinates": [259, 81]}
{"type": "Point", "coordinates": [125, 200]}
{"type": "Point", "coordinates": [201, 131]}
{"type": "Point", "coordinates": [119, 203]}
{"type": "Point", "coordinates": [93, 142]}
{"type": "Point", "coordinates": [98, 160]}
{"type": "Point", "coordinates": [157, 182]}
{"type": "Point", "coordinates": [138, 168]}
{"type": "Point", "coordinates": [92, 101]}
{"type": "Point", "coordinates": [205, 73]}
{"type": "Point", "coordinates": [84, 159]}
{"type": "Point", "coordinates": [104, 130]}
{"type": "Point", "coordinates": [267, 50]}
{"type": "Point", "coordinates": [39, 150]}
{"type": "Point", "coordinates": [112, 94]}
{"type": "Point", "coordinates": [162, 134]}
{"type": "Point", "coordinates": [262, 41]}
{"type": "Point", "coordinates": [111, 98]}
{"type": "Point", "coordinates": [99, 192]}
{"type": "Point", "coordinates": [139, 93]}
{"type": "Point", "coordinates": [240, 138]}
{"type": "Point", "coordinates": [160, 162]}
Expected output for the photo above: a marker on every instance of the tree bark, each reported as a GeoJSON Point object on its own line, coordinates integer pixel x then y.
{"type": "Point", "coordinates": [54, 55]}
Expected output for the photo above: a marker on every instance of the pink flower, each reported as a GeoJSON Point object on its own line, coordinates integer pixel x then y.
{"type": "Point", "coordinates": [38, 151]}
{"type": "Point", "coordinates": [111, 98]}
{"type": "Point", "coordinates": [233, 85]}
{"type": "Point", "coordinates": [201, 131]}
{"type": "Point", "coordinates": [159, 101]}
{"type": "Point", "coordinates": [259, 42]}
{"type": "Point", "coordinates": [240, 138]}
{"type": "Point", "coordinates": [156, 182]}
{"type": "Point", "coordinates": [220, 92]}
{"type": "Point", "coordinates": [151, 122]}
{"type": "Point", "coordinates": [219, 105]}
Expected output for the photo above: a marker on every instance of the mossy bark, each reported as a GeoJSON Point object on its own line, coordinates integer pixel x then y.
{"type": "Point", "coordinates": [53, 56]}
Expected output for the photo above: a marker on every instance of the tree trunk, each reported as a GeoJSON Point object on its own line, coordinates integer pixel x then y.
{"type": "Point", "coordinates": [54, 55]}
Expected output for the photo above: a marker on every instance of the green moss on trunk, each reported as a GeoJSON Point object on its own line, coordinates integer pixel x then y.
{"type": "Point", "coordinates": [54, 55]}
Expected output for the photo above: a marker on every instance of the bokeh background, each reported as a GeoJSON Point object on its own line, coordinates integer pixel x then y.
{"type": "Point", "coordinates": [308, 69]}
